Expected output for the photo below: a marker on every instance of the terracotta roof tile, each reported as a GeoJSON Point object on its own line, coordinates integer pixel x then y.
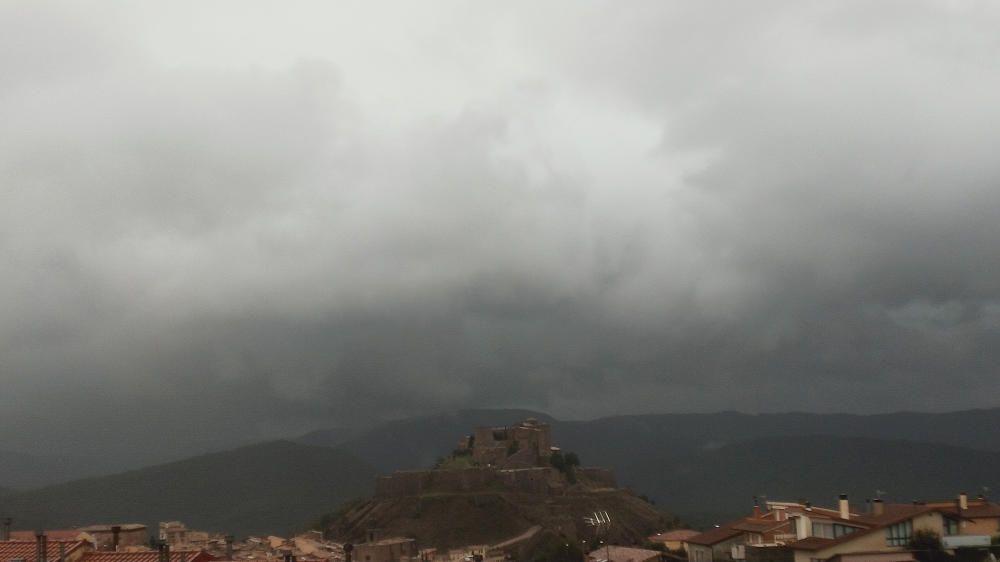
{"type": "Point", "coordinates": [674, 535]}
{"type": "Point", "coordinates": [714, 536]}
{"type": "Point", "coordinates": [25, 550]}
{"type": "Point", "coordinates": [147, 556]}
{"type": "Point", "coordinates": [982, 510]}
{"type": "Point", "coordinates": [894, 513]}
{"type": "Point", "coordinates": [813, 543]}
{"type": "Point", "coordinates": [758, 525]}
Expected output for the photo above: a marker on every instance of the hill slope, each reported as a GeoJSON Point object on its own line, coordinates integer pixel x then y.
{"type": "Point", "coordinates": [275, 487]}
{"type": "Point", "coordinates": [706, 467]}
{"type": "Point", "coordinates": [447, 520]}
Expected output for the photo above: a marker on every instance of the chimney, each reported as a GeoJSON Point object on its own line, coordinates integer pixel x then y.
{"type": "Point", "coordinates": [229, 547]}
{"type": "Point", "coordinates": [348, 548]}
{"type": "Point", "coordinates": [803, 527]}
{"type": "Point", "coordinates": [756, 507]}
{"type": "Point", "coordinates": [963, 501]}
{"type": "Point", "coordinates": [41, 546]}
{"type": "Point", "coordinates": [5, 532]}
{"type": "Point", "coordinates": [845, 508]}
{"type": "Point", "coordinates": [288, 556]}
{"type": "Point", "coordinates": [809, 506]}
{"type": "Point", "coordinates": [116, 533]}
{"type": "Point", "coordinates": [878, 507]}
{"type": "Point", "coordinates": [164, 551]}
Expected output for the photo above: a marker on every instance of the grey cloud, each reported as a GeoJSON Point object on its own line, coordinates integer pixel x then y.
{"type": "Point", "coordinates": [681, 207]}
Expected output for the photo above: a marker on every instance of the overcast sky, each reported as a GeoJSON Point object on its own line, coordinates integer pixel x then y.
{"type": "Point", "coordinates": [223, 219]}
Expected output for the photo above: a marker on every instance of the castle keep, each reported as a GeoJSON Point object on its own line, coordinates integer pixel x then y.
{"type": "Point", "coordinates": [525, 445]}
{"type": "Point", "coordinates": [515, 458]}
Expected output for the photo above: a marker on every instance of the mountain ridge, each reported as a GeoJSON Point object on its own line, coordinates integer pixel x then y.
{"type": "Point", "coordinates": [276, 486]}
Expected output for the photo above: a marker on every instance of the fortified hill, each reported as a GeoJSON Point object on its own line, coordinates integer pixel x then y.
{"type": "Point", "coordinates": [506, 486]}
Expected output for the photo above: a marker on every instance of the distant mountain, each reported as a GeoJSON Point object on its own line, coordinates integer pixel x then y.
{"type": "Point", "coordinates": [975, 429]}
{"type": "Point", "coordinates": [702, 467]}
{"type": "Point", "coordinates": [416, 443]}
{"type": "Point", "coordinates": [705, 467]}
{"type": "Point", "coordinates": [330, 437]}
{"type": "Point", "coordinates": [21, 471]}
{"type": "Point", "coordinates": [713, 484]}
{"type": "Point", "coordinates": [275, 487]}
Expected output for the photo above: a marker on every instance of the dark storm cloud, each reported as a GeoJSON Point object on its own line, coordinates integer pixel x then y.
{"type": "Point", "coordinates": [233, 222]}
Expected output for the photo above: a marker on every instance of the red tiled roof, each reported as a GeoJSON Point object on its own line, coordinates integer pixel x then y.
{"type": "Point", "coordinates": [25, 550]}
{"type": "Point", "coordinates": [974, 511]}
{"type": "Point", "coordinates": [894, 513]}
{"type": "Point", "coordinates": [714, 536]}
{"type": "Point", "coordinates": [147, 556]}
{"type": "Point", "coordinates": [674, 535]}
{"type": "Point", "coordinates": [815, 543]}
{"type": "Point", "coordinates": [758, 525]}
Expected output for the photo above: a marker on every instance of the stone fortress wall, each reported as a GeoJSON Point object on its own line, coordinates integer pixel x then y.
{"type": "Point", "coordinates": [536, 480]}
{"type": "Point", "coordinates": [513, 458]}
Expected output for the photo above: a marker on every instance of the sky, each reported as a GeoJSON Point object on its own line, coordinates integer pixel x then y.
{"type": "Point", "coordinates": [234, 220]}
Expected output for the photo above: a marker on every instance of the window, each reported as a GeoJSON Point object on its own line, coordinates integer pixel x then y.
{"type": "Point", "coordinates": [822, 530]}
{"type": "Point", "coordinates": [841, 530]}
{"type": "Point", "coordinates": [950, 526]}
{"type": "Point", "coordinates": [831, 531]}
{"type": "Point", "coordinates": [899, 534]}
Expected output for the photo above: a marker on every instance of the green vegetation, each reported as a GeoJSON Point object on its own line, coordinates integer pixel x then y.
{"type": "Point", "coordinates": [926, 546]}
{"type": "Point", "coordinates": [565, 464]}
{"type": "Point", "coordinates": [454, 462]}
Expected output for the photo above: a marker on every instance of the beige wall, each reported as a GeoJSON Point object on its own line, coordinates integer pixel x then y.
{"type": "Point", "coordinates": [981, 526]}
{"type": "Point", "coordinates": [699, 553]}
{"type": "Point", "coordinates": [873, 541]}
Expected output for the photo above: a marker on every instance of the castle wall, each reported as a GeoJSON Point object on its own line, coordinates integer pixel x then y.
{"type": "Point", "coordinates": [480, 479]}
{"type": "Point", "coordinates": [413, 483]}
{"type": "Point", "coordinates": [516, 446]}
{"type": "Point", "coordinates": [528, 480]}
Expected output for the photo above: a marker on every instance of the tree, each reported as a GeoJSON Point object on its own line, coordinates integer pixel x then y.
{"type": "Point", "coordinates": [926, 546]}
{"type": "Point", "coordinates": [558, 461]}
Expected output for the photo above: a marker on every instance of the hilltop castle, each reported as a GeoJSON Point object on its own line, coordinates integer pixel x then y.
{"type": "Point", "coordinates": [505, 486]}
{"type": "Point", "coordinates": [525, 445]}
{"type": "Point", "coordinates": [513, 457]}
